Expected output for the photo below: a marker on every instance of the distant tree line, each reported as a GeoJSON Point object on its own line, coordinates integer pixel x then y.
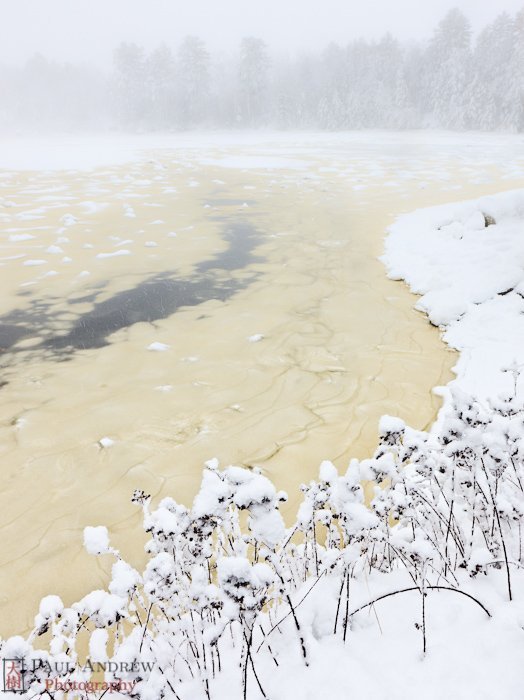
{"type": "Point", "coordinates": [453, 81]}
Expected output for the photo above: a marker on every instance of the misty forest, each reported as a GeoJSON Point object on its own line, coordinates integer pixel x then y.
{"type": "Point", "coordinates": [453, 81]}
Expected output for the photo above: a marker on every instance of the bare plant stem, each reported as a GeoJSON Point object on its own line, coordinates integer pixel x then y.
{"type": "Point", "coordinates": [249, 642]}
{"type": "Point", "coordinates": [423, 620]}
{"type": "Point", "coordinates": [145, 626]}
{"type": "Point", "coordinates": [417, 588]}
{"type": "Point", "coordinates": [297, 625]}
{"type": "Point", "coordinates": [347, 607]}
{"type": "Point", "coordinates": [496, 512]}
{"type": "Point", "coordinates": [339, 600]}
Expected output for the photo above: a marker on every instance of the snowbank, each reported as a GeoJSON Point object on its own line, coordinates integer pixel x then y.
{"type": "Point", "coordinates": [467, 262]}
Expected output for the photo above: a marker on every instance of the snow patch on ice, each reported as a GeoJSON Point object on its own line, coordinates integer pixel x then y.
{"type": "Point", "coordinates": [158, 347]}
{"type": "Point", "coordinates": [34, 263]}
{"type": "Point", "coordinates": [115, 254]}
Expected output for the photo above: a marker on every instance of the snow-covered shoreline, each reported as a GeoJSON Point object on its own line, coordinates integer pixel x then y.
{"type": "Point", "coordinates": [466, 261]}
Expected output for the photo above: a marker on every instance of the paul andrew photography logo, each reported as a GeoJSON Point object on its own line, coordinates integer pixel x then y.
{"type": "Point", "coordinates": [55, 675]}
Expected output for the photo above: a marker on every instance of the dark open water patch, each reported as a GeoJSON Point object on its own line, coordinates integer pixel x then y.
{"type": "Point", "coordinates": [152, 299]}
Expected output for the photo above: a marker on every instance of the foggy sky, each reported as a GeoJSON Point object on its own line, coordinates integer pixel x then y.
{"type": "Point", "coordinates": [88, 30]}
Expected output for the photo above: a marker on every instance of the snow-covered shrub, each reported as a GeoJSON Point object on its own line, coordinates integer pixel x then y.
{"type": "Point", "coordinates": [229, 589]}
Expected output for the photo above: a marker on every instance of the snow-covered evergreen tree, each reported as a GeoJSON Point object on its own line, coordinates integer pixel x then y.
{"type": "Point", "coordinates": [253, 81]}
{"type": "Point", "coordinates": [448, 63]}
{"type": "Point", "coordinates": [131, 84]}
{"type": "Point", "coordinates": [192, 82]}
{"type": "Point", "coordinates": [493, 89]}
{"type": "Point", "coordinates": [160, 71]}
